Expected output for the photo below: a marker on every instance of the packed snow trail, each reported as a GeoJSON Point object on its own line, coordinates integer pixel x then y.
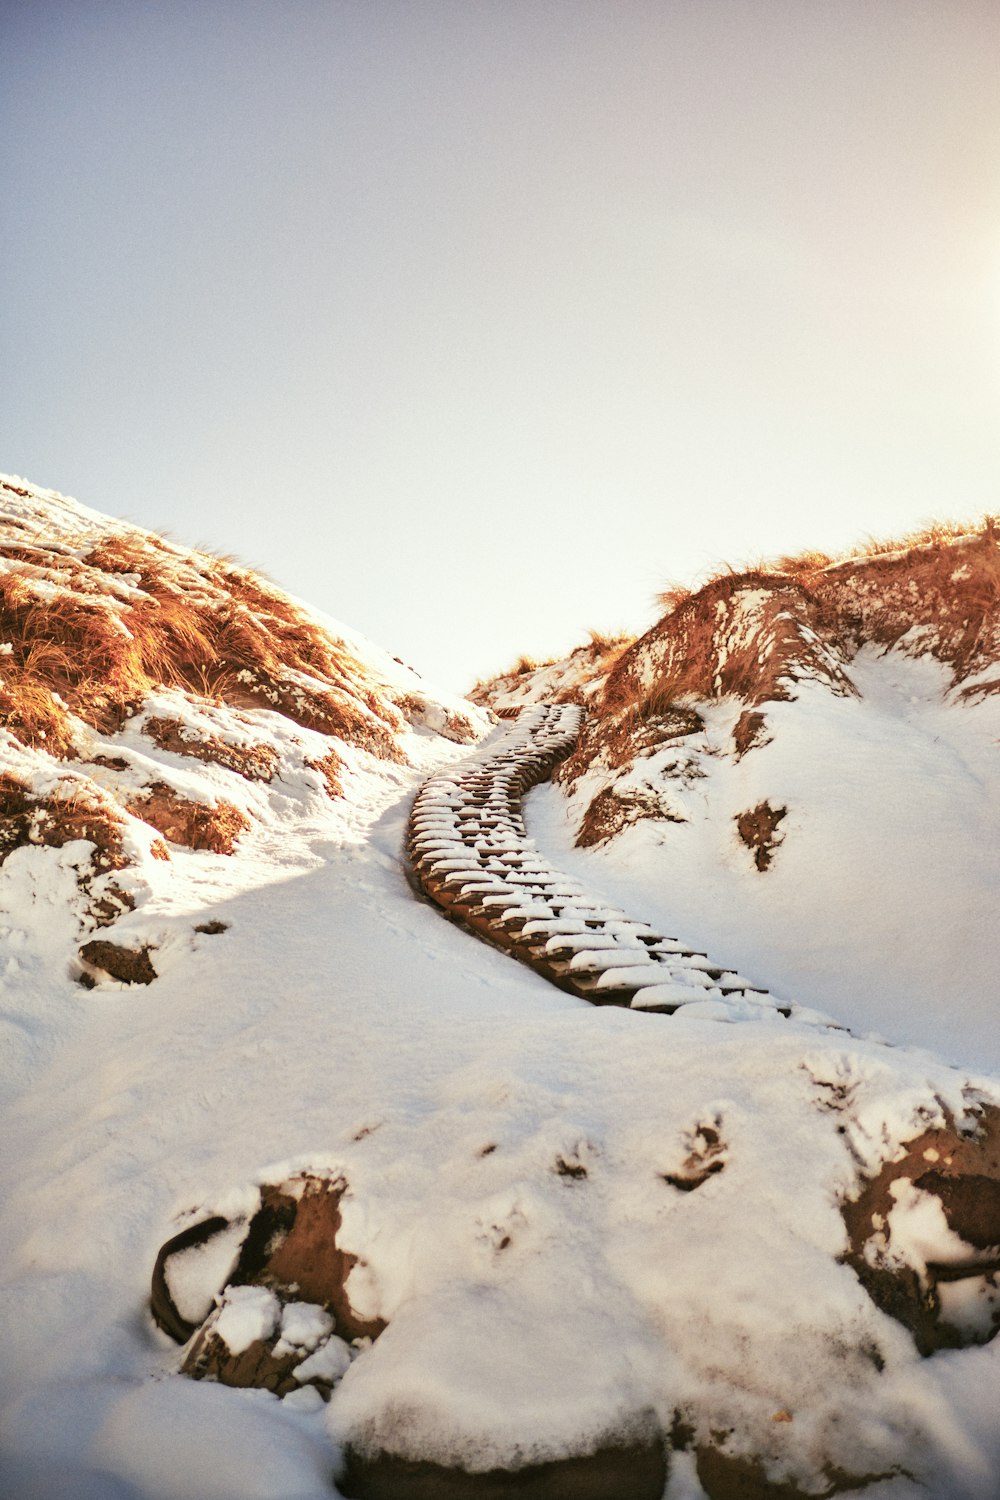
{"type": "Point", "coordinates": [472, 856]}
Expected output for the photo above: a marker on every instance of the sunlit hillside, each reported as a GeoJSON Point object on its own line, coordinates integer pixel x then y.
{"type": "Point", "coordinates": [310, 1191]}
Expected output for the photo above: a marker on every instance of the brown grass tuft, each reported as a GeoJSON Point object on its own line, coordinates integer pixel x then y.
{"type": "Point", "coordinates": [671, 595]}
{"type": "Point", "coordinates": [331, 768]}
{"type": "Point", "coordinates": [193, 824]}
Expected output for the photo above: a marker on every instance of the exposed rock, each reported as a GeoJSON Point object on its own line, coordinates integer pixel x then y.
{"type": "Point", "coordinates": [256, 1367]}
{"type": "Point", "coordinates": [630, 1471]}
{"type": "Point", "coordinates": [302, 1252]}
{"type": "Point", "coordinates": [162, 1303]}
{"type": "Point", "coordinates": [128, 965]}
{"type": "Point", "coordinates": [294, 1346]}
{"type": "Point", "coordinates": [725, 1476]}
{"type": "Point", "coordinates": [946, 1295]}
{"type": "Point", "coordinates": [288, 1246]}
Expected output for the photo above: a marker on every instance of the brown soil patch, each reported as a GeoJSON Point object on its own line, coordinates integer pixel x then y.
{"type": "Point", "coordinates": [758, 828]}
{"type": "Point", "coordinates": [254, 762]}
{"type": "Point", "coordinates": [193, 824]}
{"type": "Point", "coordinates": [961, 1168]}
{"type": "Point", "coordinates": [306, 1257]}
{"type": "Point", "coordinates": [128, 965]}
{"type": "Point", "coordinates": [627, 1471]}
{"type": "Point", "coordinates": [707, 1155]}
{"type": "Point", "coordinates": [16, 806]}
{"type": "Point", "coordinates": [77, 811]}
{"type": "Point", "coordinates": [110, 903]}
{"type": "Point", "coordinates": [610, 812]}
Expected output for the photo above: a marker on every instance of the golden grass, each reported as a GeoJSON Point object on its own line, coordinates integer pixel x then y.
{"type": "Point", "coordinates": [331, 768]}
{"type": "Point", "coordinates": [194, 623]}
{"type": "Point", "coordinates": [805, 567]}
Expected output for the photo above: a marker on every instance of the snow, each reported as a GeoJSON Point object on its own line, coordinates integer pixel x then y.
{"type": "Point", "coordinates": [303, 1326]}
{"type": "Point", "coordinates": [247, 1314]}
{"type": "Point", "coordinates": [880, 905]}
{"type": "Point", "coordinates": [340, 1025]}
{"type": "Point", "coordinates": [629, 1296]}
{"type": "Point", "coordinates": [195, 1277]}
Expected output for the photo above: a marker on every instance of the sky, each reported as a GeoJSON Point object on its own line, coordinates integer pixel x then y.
{"type": "Point", "coordinates": [478, 322]}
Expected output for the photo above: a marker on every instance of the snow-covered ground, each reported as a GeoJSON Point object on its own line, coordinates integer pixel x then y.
{"type": "Point", "coordinates": [516, 1158]}
{"type": "Point", "coordinates": [880, 905]}
{"type": "Point", "coordinates": [340, 1022]}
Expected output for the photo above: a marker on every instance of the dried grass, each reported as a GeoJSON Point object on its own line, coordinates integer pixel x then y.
{"type": "Point", "coordinates": [611, 812]}
{"type": "Point", "coordinates": [195, 825]}
{"type": "Point", "coordinates": [77, 809]}
{"type": "Point", "coordinates": [331, 768]}
{"type": "Point", "coordinates": [195, 623]}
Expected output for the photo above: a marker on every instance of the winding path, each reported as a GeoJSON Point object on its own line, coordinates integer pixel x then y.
{"type": "Point", "coordinates": [471, 855]}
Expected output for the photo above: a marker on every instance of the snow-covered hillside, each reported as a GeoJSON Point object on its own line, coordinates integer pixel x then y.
{"type": "Point", "coordinates": [520, 1242]}
{"type": "Point", "coordinates": [803, 770]}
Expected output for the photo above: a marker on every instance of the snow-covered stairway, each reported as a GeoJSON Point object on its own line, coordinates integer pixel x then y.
{"type": "Point", "coordinates": [471, 855]}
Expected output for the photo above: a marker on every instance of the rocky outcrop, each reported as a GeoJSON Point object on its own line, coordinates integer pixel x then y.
{"type": "Point", "coordinates": [924, 1233]}
{"type": "Point", "coordinates": [288, 1246]}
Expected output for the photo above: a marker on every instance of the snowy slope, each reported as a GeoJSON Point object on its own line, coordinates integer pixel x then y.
{"type": "Point", "coordinates": [879, 905]}
{"type": "Point", "coordinates": [532, 1310]}
{"type": "Point", "coordinates": [862, 712]}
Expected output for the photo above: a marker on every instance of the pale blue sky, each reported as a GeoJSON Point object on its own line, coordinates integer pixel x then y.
{"type": "Point", "coordinates": [476, 321]}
